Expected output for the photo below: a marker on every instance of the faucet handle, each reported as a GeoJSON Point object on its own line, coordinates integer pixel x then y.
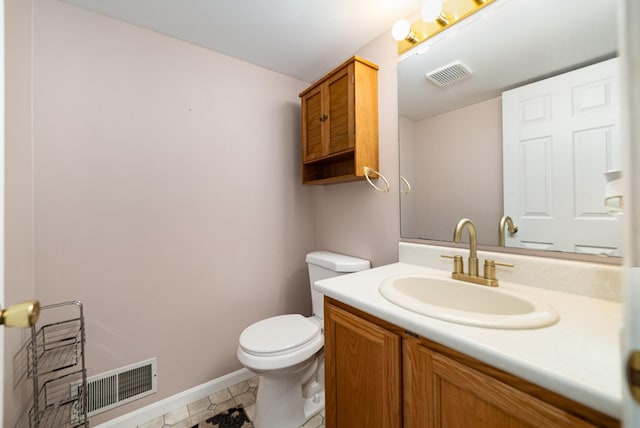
{"type": "Point", "coordinates": [457, 262]}
{"type": "Point", "coordinates": [490, 268]}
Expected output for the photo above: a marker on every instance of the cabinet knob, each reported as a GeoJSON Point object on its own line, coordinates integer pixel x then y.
{"type": "Point", "coordinates": [324, 117]}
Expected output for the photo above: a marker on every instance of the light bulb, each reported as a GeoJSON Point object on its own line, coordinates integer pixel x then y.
{"type": "Point", "coordinates": [431, 10]}
{"type": "Point", "coordinates": [401, 30]}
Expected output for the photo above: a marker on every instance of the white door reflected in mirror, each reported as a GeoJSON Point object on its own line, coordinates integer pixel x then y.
{"type": "Point", "coordinates": [560, 135]}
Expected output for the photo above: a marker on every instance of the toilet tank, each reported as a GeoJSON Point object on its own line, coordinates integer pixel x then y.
{"type": "Point", "coordinates": [325, 264]}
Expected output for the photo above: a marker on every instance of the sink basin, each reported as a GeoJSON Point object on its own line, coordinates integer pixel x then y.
{"type": "Point", "coordinates": [465, 303]}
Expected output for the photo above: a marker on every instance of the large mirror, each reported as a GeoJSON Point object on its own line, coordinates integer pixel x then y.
{"type": "Point", "coordinates": [451, 137]}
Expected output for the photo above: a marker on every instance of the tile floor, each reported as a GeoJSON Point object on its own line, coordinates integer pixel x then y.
{"type": "Point", "coordinates": [242, 394]}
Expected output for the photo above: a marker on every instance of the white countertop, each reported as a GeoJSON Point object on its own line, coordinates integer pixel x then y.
{"type": "Point", "coordinates": [578, 357]}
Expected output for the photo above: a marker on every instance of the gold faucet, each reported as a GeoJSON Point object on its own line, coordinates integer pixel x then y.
{"type": "Point", "coordinates": [505, 221]}
{"type": "Point", "coordinates": [473, 243]}
{"type": "Point", "coordinates": [489, 277]}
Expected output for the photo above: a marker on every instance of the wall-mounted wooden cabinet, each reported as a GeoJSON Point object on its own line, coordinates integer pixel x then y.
{"type": "Point", "coordinates": [340, 124]}
{"type": "Point", "coordinates": [371, 382]}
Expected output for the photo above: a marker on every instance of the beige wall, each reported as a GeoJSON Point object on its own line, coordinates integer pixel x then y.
{"type": "Point", "coordinates": [471, 139]}
{"type": "Point", "coordinates": [407, 147]}
{"type": "Point", "coordinates": [167, 194]}
{"type": "Point", "coordinates": [19, 284]}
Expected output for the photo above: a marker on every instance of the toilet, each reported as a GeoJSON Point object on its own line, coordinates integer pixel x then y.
{"type": "Point", "coordinates": [286, 352]}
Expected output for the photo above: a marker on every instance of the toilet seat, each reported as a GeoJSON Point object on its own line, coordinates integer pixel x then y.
{"type": "Point", "coordinates": [281, 342]}
{"type": "Point", "coordinates": [279, 335]}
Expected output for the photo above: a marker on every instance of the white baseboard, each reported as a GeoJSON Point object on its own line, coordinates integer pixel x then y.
{"type": "Point", "coordinates": [174, 402]}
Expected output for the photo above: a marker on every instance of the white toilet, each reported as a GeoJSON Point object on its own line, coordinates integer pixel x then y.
{"type": "Point", "coordinates": [286, 351]}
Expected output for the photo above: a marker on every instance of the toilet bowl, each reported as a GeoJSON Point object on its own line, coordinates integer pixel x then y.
{"type": "Point", "coordinates": [286, 352]}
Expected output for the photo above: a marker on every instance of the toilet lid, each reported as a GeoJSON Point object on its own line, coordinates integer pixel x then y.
{"type": "Point", "coordinates": [278, 334]}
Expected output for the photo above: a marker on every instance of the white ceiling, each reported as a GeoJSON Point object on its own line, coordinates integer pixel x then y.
{"type": "Point", "coordinates": [511, 42]}
{"type": "Point", "coordinates": [299, 38]}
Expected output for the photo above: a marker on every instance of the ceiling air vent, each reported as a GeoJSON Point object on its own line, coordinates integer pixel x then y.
{"type": "Point", "coordinates": [449, 74]}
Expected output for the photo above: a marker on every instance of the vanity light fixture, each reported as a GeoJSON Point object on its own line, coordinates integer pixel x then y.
{"type": "Point", "coordinates": [432, 12]}
{"type": "Point", "coordinates": [442, 19]}
{"type": "Point", "coordinates": [436, 17]}
{"type": "Point", "coordinates": [401, 30]}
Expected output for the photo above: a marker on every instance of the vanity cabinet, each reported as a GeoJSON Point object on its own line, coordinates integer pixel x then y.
{"type": "Point", "coordinates": [438, 387]}
{"type": "Point", "coordinates": [340, 124]}
{"type": "Point", "coordinates": [440, 391]}
{"type": "Point", "coordinates": [362, 372]}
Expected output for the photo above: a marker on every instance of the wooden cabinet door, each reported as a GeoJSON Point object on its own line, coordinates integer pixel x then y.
{"type": "Point", "coordinates": [340, 105]}
{"type": "Point", "coordinates": [362, 374]}
{"type": "Point", "coordinates": [328, 116]}
{"type": "Point", "coordinates": [456, 395]}
{"type": "Point", "coordinates": [417, 410]}
{"type": "Point", "coordinates": [312, 121]}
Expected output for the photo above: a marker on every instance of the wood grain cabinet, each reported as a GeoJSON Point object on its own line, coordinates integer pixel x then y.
{"type": "Point", "coordinates": [378, 375]}
{"type": "Point", "coordinates": [340, 124]}
{"type": "Point", "coordinates": [362, 372]}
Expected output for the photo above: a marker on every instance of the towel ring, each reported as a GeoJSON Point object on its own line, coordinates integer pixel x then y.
{"type": "Point", "coordinates": [368, 171]}
{"type": "Point", "coordinates": [405, 192]}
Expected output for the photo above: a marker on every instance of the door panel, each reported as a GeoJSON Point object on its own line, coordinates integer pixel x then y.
{"type": "Point", "coordinates": [340, 96]}
{"type": "Point", "coordinates": [465, 397]}
{"type": "Point", "coordinates": [363, 372]}
{"type": "Point", "coordinates": [312, 125]}
{"type": "Point", "coordinates": [560, 136]}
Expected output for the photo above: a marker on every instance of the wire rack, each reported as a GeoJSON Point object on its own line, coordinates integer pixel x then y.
{"type": "Point", "coordinates": [56, 366]}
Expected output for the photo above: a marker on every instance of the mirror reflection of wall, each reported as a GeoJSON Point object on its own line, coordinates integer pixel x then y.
{"type": "Point", "coordinates": [455, 162]}
{"type": "Point", "coordinates": [451, 137]}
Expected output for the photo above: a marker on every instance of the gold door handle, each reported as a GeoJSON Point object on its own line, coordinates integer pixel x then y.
{"type": "Point", "coordinates": [633, 375]}
{"type": "Point", "coordinates": [21, 315]}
